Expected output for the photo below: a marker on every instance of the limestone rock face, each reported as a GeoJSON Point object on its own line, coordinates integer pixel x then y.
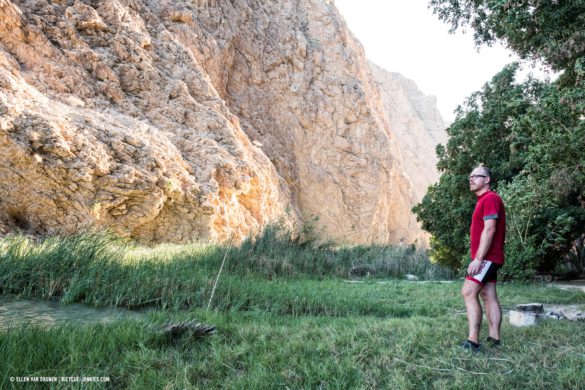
{"type": "Point", "coordinates": [417, 124]}
{"type": "Point", "coordinates": [108, 120]}
{"type": "Point", "coordinates": [301, 86]}
{"type": "Point", "coordinates": [194, 120]}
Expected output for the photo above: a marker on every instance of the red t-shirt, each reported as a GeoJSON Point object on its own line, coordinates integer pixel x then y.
{"type": "Point", "coordinates": [489, 206]}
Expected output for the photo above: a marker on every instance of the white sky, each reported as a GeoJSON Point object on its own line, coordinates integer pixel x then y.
{"type": "Point", "coordinates": [404, 36]}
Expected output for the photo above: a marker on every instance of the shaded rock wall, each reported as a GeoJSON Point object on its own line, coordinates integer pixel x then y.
{"type": "Point", "coordinates": [417, 125]}
{"type": "Point", "coordinates": [300, 85]}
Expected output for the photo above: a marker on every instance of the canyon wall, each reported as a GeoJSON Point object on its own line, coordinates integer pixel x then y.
{"type": "Point", "coordinates": [194, 120]}
{"type": "Point", "coordinates": [417, 125]}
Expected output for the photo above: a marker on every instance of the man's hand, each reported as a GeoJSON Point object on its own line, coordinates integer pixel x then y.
{"type": "Point", "coordinates": [474, 267]}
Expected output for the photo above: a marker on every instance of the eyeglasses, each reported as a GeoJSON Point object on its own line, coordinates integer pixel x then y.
{"type": "Point", "coordinates": [473, 177]}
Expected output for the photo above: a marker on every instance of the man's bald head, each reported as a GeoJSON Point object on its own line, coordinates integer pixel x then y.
{"type": "Point", "coordinates": [480, 179]}
{"type": "Point", "coordinates": [485, 171]}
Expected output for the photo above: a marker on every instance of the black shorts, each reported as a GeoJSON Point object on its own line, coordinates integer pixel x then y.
{"type": "Point", "coordinates": [488, 273]}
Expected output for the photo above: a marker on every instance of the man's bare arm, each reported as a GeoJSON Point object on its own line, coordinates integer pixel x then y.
{"type": "Point", "coordinates": [487, 236]}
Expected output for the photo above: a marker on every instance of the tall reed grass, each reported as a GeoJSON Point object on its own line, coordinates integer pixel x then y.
{"type": "Point", "coordinates": [276, 253]}
{"type": "Point", "coordinates": [101, 269]}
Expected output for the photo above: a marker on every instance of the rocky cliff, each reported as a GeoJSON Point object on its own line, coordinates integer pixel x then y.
{"type": "Point", "coordinates": [416, 123]}
{"type": "Point", "coordinates": [193, 120]}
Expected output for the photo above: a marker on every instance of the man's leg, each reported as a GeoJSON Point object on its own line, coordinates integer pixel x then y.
{"type": "Point", "coordinates": [470, 292]}
{"type": "Point", "coordinates": [493, 309]}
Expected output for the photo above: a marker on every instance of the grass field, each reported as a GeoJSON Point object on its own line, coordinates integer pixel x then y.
{"type": "Point", "coordinates": [288, 315]}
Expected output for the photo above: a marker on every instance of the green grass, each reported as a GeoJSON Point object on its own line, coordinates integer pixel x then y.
{"type": "Point", "coordinates": [259, 350]}
{"type": "Point", "coordinates": [101, 270]}
{"type": "Point", "coordinates": [288, 314]}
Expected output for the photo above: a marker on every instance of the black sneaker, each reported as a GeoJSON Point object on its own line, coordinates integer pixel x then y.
{"type": "Point", "coordinates": [492, 342]}
{"type": "Point", "coordinates": [470, 346]}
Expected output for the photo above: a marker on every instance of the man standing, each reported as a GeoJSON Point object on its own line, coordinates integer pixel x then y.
{"type": "Point", "coordinates": [488, 231]}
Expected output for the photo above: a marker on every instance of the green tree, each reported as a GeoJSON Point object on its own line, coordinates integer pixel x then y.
{"type": "Point", "coordinates": [480, 134]}
{"type": "Point", "coordinates": [531, 134]}
{"type": "Point", "coordinates": [549, 30]}
{"type": "Point", "coordinates": [552, 180]}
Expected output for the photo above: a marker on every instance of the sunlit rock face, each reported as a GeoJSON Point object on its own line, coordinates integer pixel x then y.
{"type": "Point", "coordinates": [109, 120]}
{"type": "Point", "coordinates": [196, 120]}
